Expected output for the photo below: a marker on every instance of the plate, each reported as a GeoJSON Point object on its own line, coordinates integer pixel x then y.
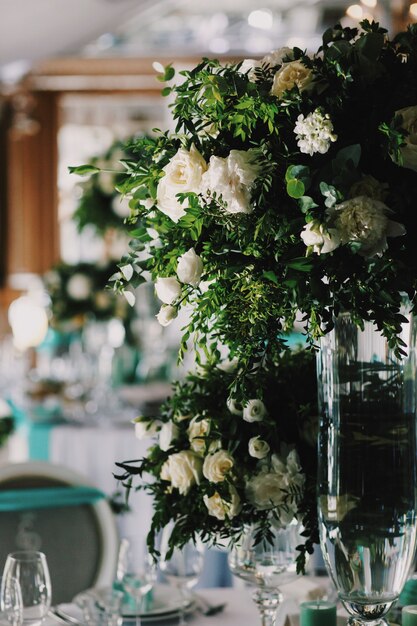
{"type": "Point", "coordinates": [166, 599]}
{"type": "Point", "coordinates": [166, 604]}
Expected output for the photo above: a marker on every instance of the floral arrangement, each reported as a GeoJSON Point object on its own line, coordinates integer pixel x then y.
{"type": "Point", "coordinates": [80, 291]}
{"type": "Point", "coordinates": [285, 194]}
{"type": "Point", "coordinates": [99, 204]}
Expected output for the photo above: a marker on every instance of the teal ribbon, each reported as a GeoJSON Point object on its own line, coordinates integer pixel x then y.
{"type": "Point", "coordinates": [47, 498]}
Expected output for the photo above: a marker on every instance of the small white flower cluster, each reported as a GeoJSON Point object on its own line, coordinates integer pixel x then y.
{"type": "Point", "coordinates": [314, 133]}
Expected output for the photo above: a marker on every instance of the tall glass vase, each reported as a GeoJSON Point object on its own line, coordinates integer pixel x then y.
{"type": "Point", "coordinates": [367, 465]}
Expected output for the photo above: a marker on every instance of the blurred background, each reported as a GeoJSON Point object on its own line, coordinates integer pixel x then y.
{"type": "Point", "coordinates": [78, 79]}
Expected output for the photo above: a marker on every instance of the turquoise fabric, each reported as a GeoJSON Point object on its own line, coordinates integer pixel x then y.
{"type": "Point", "coordinates": [47, 498]}
{"type": "Point", "coordinates": [38, 434]}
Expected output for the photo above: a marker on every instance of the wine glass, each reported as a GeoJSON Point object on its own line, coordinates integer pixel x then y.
{"type": "Point", "coordinates": [181, 568]}
{"type": "Point", "coordinates": [30, 569]}
{"type": "Point", "coordinates": [267, 565]}
{"type": "Point", "coordinates": [140, 582]}
{"type": "Point", "coordinates": [11, 605]}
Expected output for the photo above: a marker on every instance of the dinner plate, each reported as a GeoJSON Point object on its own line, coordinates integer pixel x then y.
{"type": "Point", "coordinates": [166, 604]}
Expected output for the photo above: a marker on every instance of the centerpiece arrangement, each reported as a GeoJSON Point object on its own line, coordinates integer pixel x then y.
{"type": "Point", "coordinates": [286, 194]}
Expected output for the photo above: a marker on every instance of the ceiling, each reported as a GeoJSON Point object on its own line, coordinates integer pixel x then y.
{"type": "Point", "coordinates": [31, 30]}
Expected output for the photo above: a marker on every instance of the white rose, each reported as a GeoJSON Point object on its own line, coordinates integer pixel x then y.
{"type": "Point", "coordinates": [364, 220]}
{"type": "Point", "coordinates": [167, 314]}
{"type": "Point", "coordinates": [267, 490]}
{"type": "Point", "coordinates": [258, 448]}
{"type": "Point", "coordinates": [254, 411]}
{"type": "Point", "coordinates": [145, 428]}
{"type": "Point", "coordinates": [197, 433]}
{"type": "Point", "coordinates": [182, 470]}
{"type": "Point", "coordinates": [120, 206]}
{"type": "Point", "coordinates": [276, 57]}
{"type": "Point", "coordinates": [168, 433]}
{"type": "Point", "coordinates": [181, 175]}
{"type": "Point", "coordinates": [291, 74]}
{"type": "Point", "coordinates": [409, 151]}
{"type": "Point", "coordinates": [319, 238]}
{"type": "Point", "coordinates": [167, 289]}
{"type": "Point", "coordinates": [234, 407]}
{"type": "Point", "coordinates": [216, 466]}
{"type": "Point", "coordinates": [79, 287]}
{"type": "Point", "coordinates": [248, 67]}
{"type": "Point", "coordinates": [190, 268]}
{"type": "Point", "coordinates": [219, 508]}
{"type": "Point", "coordinates": [232, 179]}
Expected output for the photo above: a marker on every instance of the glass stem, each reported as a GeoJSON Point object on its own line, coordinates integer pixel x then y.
{"type": "Point", "coordinates": [268, 602]}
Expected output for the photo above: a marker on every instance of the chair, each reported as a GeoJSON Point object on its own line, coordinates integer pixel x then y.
{"type": "Point", "coordinates": [78, 535]}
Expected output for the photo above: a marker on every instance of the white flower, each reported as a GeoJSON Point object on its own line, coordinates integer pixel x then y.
{"type": "Point", "coordinates": [190, 268]}
{"type": "Point", "coordinates": [79, 287]}
{"type": "Point", "coordinates": [120, 206]}
{"type": "Point", "coordinates": [146, 428]}
{"type": "Point", "coordinates": [232, 178]}
{"type": "Point", "coordinates": [182, 470]}
{"type": "Point", "coordinates": [197, 433]}
{"type": "Point", "coordinates": [216, 466]}
{"type": "Point", "coordinates": [167, 314]}
{"type": "Point", "coordinates": [273, 58]}
{"type": "Point", "coordinates": [291, 74]}
{"type": "Point", "coordinates": [314, 133]}
{"type": "Point", "coordinates": [181, 175]}
{"type": "Point", "coordinates": [234, 407]}
{"type": "Point", "coordinates": [258, 448]}
{"type": "Point", "coordinates": [409, 151]}
{"type": "Point", "coordinates": [254, 411]}
{"type": "Point", "coordinates": [270, 487]}
{"type": "Point", "coordinates": [276, 57]}
{"type": "Point", "coordinates": [219, 508]}
{"type": "Point", "coordinates": [168, 433]}
{"type": "Point", "coordinates": [364, 220]}
{"type": "Point", "coordinates": [248, 67]}
{"type": "Point", "coordinates": [167, 289]}
{"type": "Point", "coordinates": [320, 238]}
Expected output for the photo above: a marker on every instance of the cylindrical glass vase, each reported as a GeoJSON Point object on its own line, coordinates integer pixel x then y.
{"type": "Point", "coordinates": [367, 465]}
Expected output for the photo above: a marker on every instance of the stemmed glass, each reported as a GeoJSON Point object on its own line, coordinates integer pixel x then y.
{"type": "Point", "coordinates": [181, 568]}
{"type": "Point", "coordinates": [11, 605]}
{"type": "Point", "coordinates": [267, 565]}
{"type": "Point", "coordinates": [30, 569]}
{"type": "Point", "coordinates": [140, 582]}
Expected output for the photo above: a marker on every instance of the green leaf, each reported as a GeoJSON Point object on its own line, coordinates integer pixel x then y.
{"type": "Point", "coordinates": [330, 193]}
{"type": "Point", "coordinates": [370, 45]}
{"type": "Point", "coordinates": [306, 203]}
{"type": "Point", "coordinates": [270, 275]}
{"type": "Point", "coordinates": [166, 91]}
{"type": "Point", "coordinates": [301, 172]}
{"type": "Point", "coordinates": [349, 154]}
{"type": "Point", "coordinates": [295, 188]}
{"type": "Point", "coordinates": [84, 170]}
{"type": "Point", "coordinates": [302, 264]}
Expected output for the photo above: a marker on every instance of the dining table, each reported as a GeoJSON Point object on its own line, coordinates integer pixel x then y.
{"type": "Point", "coordinates": [238, 607]}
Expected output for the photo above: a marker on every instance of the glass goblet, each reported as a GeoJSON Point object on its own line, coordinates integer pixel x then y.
{"type": "Point", "coordinates": [181, 568]}
{"type": "Point", "coordinates": [267, 565]}
{"type": "Point", "coordinates": [11, 606]}
{"type": "Point", "coordinates": [30, 569]}
{"type": "Point", "coordinates": [139, 583]}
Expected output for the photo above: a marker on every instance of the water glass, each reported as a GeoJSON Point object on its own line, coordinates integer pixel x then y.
{"type": "Point", "coordinates": [181, 568]}
{"type": "Point", "coordinates": [30, 569]}
{"type": "Point", "coordinates": [11, 607]}
{"type": "Point", "coordinates": [105, 609]}
{"type": "Point", "coordinates": [139, 583]}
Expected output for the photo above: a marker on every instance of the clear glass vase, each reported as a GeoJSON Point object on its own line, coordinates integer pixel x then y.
{"type": "Point", "coordinates": [367, 465]}
{"type": "Point", "coordinates": [267, 565]}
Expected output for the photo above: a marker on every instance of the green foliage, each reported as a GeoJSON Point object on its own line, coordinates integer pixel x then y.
{"type": "Point", "coordinates": [285, 225]}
